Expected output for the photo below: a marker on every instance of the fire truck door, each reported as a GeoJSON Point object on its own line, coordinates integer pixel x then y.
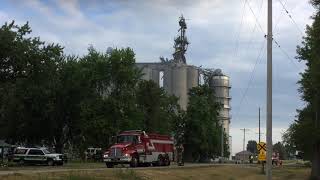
{"type": "Point", "coordinates": [140, 146]}
{"type": "Point", "coordinates": [150, 147]}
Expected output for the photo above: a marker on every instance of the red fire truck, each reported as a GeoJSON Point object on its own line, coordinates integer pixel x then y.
{"type": "Point", "coordinates": [137, 147]}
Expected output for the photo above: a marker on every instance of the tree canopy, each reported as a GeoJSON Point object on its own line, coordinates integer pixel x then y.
{"type": "Point", "coordinates": [304, 133]}
{"type": "Point", "coordinates": [52, 99]}
{"type": "Point", "coordinates": [202, 127]}
{"type": "Point", "coordinates": [252, 146]}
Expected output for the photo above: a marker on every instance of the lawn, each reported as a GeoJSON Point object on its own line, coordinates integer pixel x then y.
{"type": "Point", "coordinates": [227, 172]}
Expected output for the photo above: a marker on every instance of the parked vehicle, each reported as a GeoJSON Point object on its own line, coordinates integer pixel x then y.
{"type": "Point", "coordinates": [95, 154]}
{"type": "Point", "coordinates": [140, 148]}
{"type": "Point", "coordinates": [276, 159]}
{"type": "Point", "coordinates": [37, 156]}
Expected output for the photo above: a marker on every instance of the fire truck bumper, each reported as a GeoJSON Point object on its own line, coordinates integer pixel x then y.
{"type": "Point", "coordinates": [118, 160]}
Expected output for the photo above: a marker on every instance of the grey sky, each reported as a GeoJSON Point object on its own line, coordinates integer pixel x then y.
{"type": "Point", "coordinates": [217, 36]}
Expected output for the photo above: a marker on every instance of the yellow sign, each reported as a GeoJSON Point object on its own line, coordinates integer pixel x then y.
{"type": "Point", "coordinates": [262, 155]}
{"type": "Point", "coordinates": [262, 146]}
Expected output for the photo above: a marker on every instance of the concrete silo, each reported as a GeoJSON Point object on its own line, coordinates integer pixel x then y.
{"type": "Point", "coordinates": [179, 83]}
{"type": "Point", "coordinates": [155, 75]}
{"type": "Point", "coordinates": [193, 77]}
{"type": "Point", "coordinates": [146, 71]}
{"type": "Point", "coordinates": [167, 78]}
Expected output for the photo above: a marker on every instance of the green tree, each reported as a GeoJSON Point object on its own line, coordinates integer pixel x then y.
{"type": "Point", "coordinates": [288, 143]}
{"type": "Point", "coordinates": [280, 148]}
{"type": "Point", "coordinates": [202, 129]}
{"type": "Point", "coordinates": [159, 109]}
{"type": "Point", "coordinates": [252, 146]}
{"type": "Point", "coordinates": [111, 107]}
{"type": "Point", "coordinates": [49, 98]}
{"type": "Point", "coordinates": [28, 72]}
{"type": "Point", "coordinates": [305, 131]}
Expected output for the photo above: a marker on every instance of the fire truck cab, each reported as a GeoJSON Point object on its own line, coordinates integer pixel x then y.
{"type": "Point", "coordinates": [136, 148]}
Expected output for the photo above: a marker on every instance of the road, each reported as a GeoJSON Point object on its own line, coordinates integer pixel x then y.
{"type": "Point", "coordinates": [96, 167]}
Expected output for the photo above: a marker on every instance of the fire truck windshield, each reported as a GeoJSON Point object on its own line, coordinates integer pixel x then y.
{"type": "Point", "coordinates": [127, 138]}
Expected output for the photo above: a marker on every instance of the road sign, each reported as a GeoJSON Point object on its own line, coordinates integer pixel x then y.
{"type": "Point", "coordinates": [262, 146]}
{"type": "Point", "coordinates": [262, 155]}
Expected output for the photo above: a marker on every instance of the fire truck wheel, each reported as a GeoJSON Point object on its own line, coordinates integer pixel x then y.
{"type": "Point", "coordinates": [160, 160]}
{"type": "Point", "coordinates": [109, 165]}
{"type": "Point", "coordinates": [166, 160]}
{"type": "Point", "coordinates": [147, 164]}
{"type": "Point", "coordinates": [134, 162]}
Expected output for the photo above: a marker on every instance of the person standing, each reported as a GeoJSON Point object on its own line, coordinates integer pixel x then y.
{"type": "Point", "coordinates": [180, 151]}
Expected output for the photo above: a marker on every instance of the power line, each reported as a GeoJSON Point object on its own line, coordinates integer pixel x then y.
{"type": "Point", "coordinates": [258, 58]}
{"type": "Point", "coordinates": [240, 26]}
{"type": "Point", "coordinates": [256, 19]}
{"type": "Point", "coordinates": [254, 67]}
{"type": "Point", "coordinates": [251, 77]}
{"type": "Point", "coordinates": [294, 22]}
{"type": "Point", "coordinates": [290, 16]}
{"type": "Point", "coordinates": [254, 28]}
{"type": "Point", "coordinates": [277, 21]}
{"type": "Point", "coordinates": [286, 54]}
{"type": "Point", "coordinates": [265, 35]}
{"type": "Point", "coordinates": [296, 25]}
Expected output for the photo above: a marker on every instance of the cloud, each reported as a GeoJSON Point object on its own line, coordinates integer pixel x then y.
{"type": "Point", "coordinates": [70, 7]}
{"type": "Point", "coordinates": [39, 6]}
{"type": "Point", "coordinates": [219, 37]}
{"type": "Point", "coordinates": [252, 134]}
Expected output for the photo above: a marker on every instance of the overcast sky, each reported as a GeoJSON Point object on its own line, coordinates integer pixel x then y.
{"type": "Point", "coordinates": [223, 34]}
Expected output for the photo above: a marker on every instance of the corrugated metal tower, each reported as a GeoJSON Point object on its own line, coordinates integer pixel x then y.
{"type": "Point", "coordinates": [221, 86]}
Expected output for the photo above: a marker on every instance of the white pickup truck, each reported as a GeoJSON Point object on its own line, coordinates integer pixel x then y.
{"type": "Point", "coordinates": [37, 156]}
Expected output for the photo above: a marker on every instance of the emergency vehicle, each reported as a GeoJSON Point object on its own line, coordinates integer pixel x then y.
{"type": "Point", "coordinates": [137, 147]}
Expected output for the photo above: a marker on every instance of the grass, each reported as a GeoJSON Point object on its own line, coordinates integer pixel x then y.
{"type": "Point", "coordinates": [77, 165]}
{"type": "Point", "coordinates": [128, 174]}
{"type": "Point", "coordinates": [186, 173]}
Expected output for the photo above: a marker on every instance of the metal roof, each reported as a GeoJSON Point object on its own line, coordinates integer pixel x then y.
{"type": "Point", "coordinates": [244, 153]}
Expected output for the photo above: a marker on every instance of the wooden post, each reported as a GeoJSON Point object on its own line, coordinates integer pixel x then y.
{"type": "Point", "coordinates": [262, 167]}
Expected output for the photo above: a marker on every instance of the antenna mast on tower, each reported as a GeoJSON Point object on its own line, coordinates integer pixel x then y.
{"type": "Point", "coordinates": [181, 42]}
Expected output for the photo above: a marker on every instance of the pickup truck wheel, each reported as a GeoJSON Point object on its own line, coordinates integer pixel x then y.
{"type": "Point", "coordinates": [134, 162]}
{"type": "Point", "coordinates": [109, 165]}
{"type": "Point", "coordinates": [50, 162]}
{"type": "Point", "coordinates": [21, 162]}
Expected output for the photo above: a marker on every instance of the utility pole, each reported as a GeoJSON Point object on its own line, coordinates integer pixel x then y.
{"type": "Point", "coordinates": [261, 133]}
{"type": "Point", "coordinates": [222, 140]}
{"type": "Point", "coordinates": [269, 92]}
{"type": "Point", "coordinates": [259, 127]}
{"type": "Point", "coordinates": [244, 137]}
